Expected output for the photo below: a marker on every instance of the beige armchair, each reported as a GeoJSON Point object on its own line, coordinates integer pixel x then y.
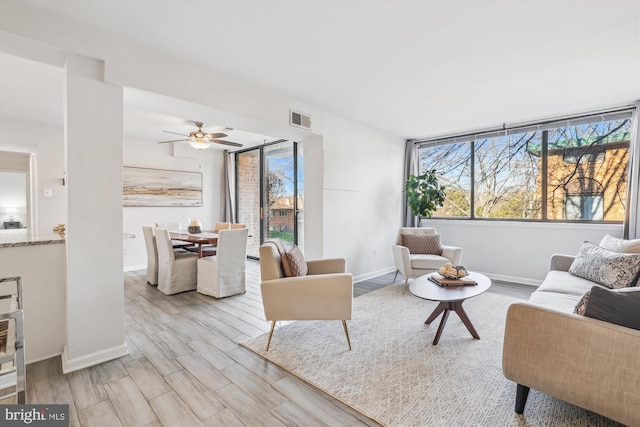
{"type": "Point", "coordinates": [177, 271]}
{"type": "Point", "coordinates": [224, 274]}
{"type": "Point", "coordinates": [416, 264]}
{"type": "Point", "coordinates": [325, 293]}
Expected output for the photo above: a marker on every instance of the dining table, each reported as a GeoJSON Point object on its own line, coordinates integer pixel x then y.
{"type": "Point", "coordinates": [200, 239]}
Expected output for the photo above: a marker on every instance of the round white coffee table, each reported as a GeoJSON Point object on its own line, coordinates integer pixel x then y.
{"type": "Point", "coordinates": [450, 298]}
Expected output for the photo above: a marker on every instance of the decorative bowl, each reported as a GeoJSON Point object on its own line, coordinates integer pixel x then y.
{"type": "Point", "coordinates": [459, 269]}
{"type": "Point", "coordinates": [194, 229]}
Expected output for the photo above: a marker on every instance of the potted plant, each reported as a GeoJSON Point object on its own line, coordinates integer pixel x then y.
{"type": "Point", "coordinates": [424, 194]}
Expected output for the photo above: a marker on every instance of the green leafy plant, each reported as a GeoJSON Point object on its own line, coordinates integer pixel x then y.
{"type": "Point", "coordinates": [424, 194]}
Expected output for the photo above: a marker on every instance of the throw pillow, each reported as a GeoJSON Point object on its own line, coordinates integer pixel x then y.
{"type": "Point", "coordinates": [422, 243]}
{"type": "Point", "coordinates": [581, 306]}
{"type": "Point", "coordinates": [619, 306]}
{"type": "Point", "coordinates": [620, 245]}
{"type": "Point", "coordinates": [611, 269]}
{"type": "Point", "coordinates": [293, 263]}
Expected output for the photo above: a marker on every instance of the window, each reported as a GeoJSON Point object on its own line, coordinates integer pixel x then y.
{"type": "Point", "coordinates": [567, 170]}
{"type": "Point", "coordinates": [283, 213]}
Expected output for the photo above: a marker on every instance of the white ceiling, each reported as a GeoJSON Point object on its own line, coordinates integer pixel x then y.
{"type": "Point", "coordinates": [412, 68]}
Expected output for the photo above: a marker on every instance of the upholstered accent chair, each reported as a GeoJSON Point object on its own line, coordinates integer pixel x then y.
{"type": "Point", "coordinates": [224, 274]}
{"type": "Point", "coordinates": [415, 256]}
{"type": "Point", "coordinates": [177, 270]}
{"type": "Point", "coordinates": [152, 254]}
{"type": "Point", "coordinates": [325, 293]}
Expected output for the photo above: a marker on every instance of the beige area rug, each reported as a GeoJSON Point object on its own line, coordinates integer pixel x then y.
{"type": "Point", "coordinates": [395, 376]}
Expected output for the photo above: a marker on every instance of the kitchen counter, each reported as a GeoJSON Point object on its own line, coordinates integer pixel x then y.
{"type": "Point", "coordinates": [11, 238]}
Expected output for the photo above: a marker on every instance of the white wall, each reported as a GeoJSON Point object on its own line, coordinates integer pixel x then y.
{"type": "Point", "coordinates": [93, 143]}
{"type": "Point", "coordinates": [208, 162]}
{"type": "Point", "coordinates": [516, 251]}
{"type": "Point", "coordinates": [47, 142]}
{"type": "Point", "coordinates": [361, 195]}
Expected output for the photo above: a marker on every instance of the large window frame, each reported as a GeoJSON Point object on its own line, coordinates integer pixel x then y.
{"type": "Point", "coordinates": [545, 133]}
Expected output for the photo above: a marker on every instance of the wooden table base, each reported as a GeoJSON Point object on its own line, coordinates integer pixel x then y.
{"type": "Point", "coordinates": [448, 306]}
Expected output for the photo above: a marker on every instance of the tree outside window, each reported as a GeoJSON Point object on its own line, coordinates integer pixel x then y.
{"type": "Point", "coordinates": [569, 172]}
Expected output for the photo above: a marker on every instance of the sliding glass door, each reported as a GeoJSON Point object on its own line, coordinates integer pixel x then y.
{"type": "Point", "coordinates": [270, 187]}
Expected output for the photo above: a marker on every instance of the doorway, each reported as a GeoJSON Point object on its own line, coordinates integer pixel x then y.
{"type": "Point", "coordinates": [270, 193]}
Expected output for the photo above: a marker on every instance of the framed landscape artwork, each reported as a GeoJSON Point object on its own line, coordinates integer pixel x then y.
{"type": "Point", "coordinates": [160, 187]}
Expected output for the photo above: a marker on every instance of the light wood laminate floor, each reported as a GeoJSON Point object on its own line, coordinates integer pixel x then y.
{"type": "Point", "coordinates": [186, 368]}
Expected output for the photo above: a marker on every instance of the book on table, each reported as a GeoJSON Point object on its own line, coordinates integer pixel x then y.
{"type": "Point", "coordinates": [443, 281]}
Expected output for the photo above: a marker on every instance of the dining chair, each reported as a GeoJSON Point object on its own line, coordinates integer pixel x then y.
{"type": "Point", "coordinates": [177, 270]}
{"type": "Point", "coordinates": [210, 250]}
{"type": "Point", "coordinates": [224, 274]}
{"type": "Point", "coordinates": [152, 254]}
{"type": "Point", "coordinates": [222, 226]}
{"type": "Point", "coordinates": [174, 226]}
{"type": "Point", "coordinates": [236, 225]}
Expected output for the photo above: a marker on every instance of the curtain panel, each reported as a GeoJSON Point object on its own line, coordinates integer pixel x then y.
{"type": "Point", "coordinates": [632, 213]}
{"type": "Point", "coordinates": [229, 186]}
{"type": "Point", "coordinates": [411, 167]}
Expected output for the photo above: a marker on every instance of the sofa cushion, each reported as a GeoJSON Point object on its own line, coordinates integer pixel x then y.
{"type": "Point", "coordinates": [428, 262]}
{"type": "Point", "coordinates": [611, 269]}
{"type": "Point", "coordinates": [422, 243]}
{"type": "Point", "coordinates": [618, 306]}
{"type": "Point", "coordinates": [564, 283]}
{"type": "Point", "coordinates": [620, 245]}
{"type": "Point", "coordinates": [564, 303]}
{"type": "Point", "coordinates": [293, 263]}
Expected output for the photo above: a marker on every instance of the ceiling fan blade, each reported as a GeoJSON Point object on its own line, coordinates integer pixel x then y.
{"type": "Point", "coordinates": [233, 144]}
{"type": "Point", "coordinates": [175, 133]}
{"type": "Point", "coordinates": [174, 140]}
{"type": "Point", "coordinates": [215, 135]}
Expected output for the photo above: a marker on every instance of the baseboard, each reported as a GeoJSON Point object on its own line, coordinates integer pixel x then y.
{"type": "Point", "coordinates": [374, 274]}
{"type": "Point", "coordinates": [513, 279]}
{"type": "Point", "coordinates": [70, 365]}
{"type": "Point", "coordinates": [135, 268]}
{"type": "Point", "coordinates": [40, 359]}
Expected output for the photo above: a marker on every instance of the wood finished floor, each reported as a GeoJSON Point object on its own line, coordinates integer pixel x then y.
{"type": "Point", "coordinates": [185, 367]}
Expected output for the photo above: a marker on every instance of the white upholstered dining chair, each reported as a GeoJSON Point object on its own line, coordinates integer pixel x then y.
{"type": "Point", "coordinates": [418, 251]}
{"type": "Point", "coordinates": [224, 274]}
{"type": "Point", "coordinates": [177, 271]}
{"type": "Point", "coordinates": [152, 254]}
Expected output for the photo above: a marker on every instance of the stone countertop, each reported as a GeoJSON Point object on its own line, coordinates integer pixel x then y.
{"type": "Point", "coordinates": [11, 238]}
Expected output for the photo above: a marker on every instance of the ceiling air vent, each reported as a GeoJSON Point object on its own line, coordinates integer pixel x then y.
{"type": "Point", "coordinates": [300, 120]}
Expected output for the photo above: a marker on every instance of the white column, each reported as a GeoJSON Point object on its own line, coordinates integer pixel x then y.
{"type": "Point", "coordinates": [93, 145]}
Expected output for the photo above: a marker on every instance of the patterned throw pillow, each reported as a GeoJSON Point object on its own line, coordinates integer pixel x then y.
{"type": "Point", "coordinates": [293, 263]}
{"type": "Point", "coordinates": [422, 243]}
{"type": "Point", "coordinates": [611, 269]}
{"type": "Point", "coordinates": [581, 306]}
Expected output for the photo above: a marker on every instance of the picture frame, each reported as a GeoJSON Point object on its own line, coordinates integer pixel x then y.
{"type": "Point", "coordinates": [160, 187]}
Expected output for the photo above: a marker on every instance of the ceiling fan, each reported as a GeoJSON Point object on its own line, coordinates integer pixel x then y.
{"type": "Point", "coordinates": [202, 140]}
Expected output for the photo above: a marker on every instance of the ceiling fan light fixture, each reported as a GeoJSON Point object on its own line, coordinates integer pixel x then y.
{"type": "Point", "coordinates": [199, 144]}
